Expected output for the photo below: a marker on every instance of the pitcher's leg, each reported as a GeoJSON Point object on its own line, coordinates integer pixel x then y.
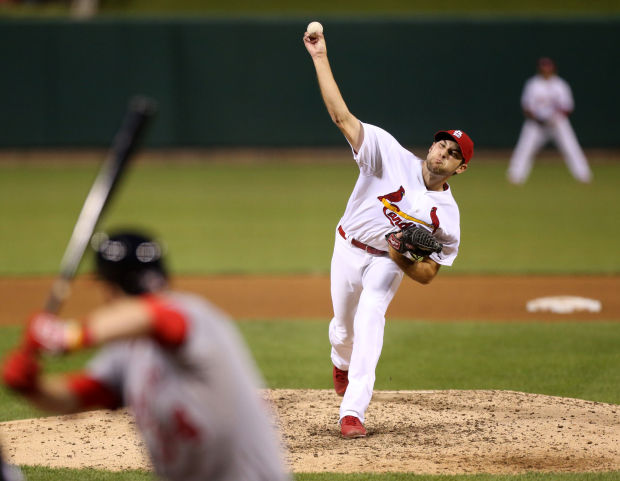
{"type": "Point", "coordinates": [381, 282]}
{"type": "Point", "coordinates": [571, 150]}
{"type": "Point", "coordinates": [531, 139]}
{"type": "Point", "coordinates": [346, 287]}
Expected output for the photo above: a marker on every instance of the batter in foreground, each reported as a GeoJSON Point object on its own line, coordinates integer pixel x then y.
{"type": "Point", "coordinates": [173, 358]}
{"type": "Point", "coordinates": [396, 193]}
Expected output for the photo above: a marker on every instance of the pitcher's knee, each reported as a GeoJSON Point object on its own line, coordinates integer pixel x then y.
{"type": "Point", "coordinates": [340, 335]}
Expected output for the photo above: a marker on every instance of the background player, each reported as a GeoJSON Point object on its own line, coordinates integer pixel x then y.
{"type": "Point", "coordinates": [547, 101]}
{"type": "Point", "coordinates": [173, 358]}
{"type": "Point", "coordinates": [394, 190]}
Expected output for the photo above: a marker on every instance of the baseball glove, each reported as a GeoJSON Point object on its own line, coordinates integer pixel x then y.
{"type": "Point", "coordinates": [416, 240]}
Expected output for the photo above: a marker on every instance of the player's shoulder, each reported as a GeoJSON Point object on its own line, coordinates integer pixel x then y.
{"type": "Point", "coordinates": [206, 323]}
{"type": "Point", "coordinates": [388, 144]}
{"type": "Point", "coordinates": [535, 82]}
{"type": "Point", "coordinates": [371, 128]}
{"type": "Point", "coordinates": [198, 312]}
{"type": "Point", "coordinates": [560, 81]}
{"type": "Point", "coordinates": [445, 199]}
{"type": "Point", "coordinates": [379, 135]}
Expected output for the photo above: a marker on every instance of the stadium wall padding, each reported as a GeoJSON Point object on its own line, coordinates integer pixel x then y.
{"type": "Point", "coordinates": [250, 82]}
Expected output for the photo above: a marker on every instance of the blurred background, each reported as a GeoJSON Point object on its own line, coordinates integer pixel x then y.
{"type": "Point", "coordinates": [231, 74]}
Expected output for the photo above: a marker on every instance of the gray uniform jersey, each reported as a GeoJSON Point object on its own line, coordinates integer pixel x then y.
{"type": "Point", "coordinates": [197, 406]}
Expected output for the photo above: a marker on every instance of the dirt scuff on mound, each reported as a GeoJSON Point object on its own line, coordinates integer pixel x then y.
{"type": "Point", "coordinates": [432, 432]}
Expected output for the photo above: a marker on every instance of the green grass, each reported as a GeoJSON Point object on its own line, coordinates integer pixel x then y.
{"type": "Point", "coordinates": [215, 218]}
{"type": "Point", "coordinates": [48, 474]}
{"type": "Point", "coordinates": [576, 360]}
{"type": "Point", "coordinates": [366, 7]}
{"type": "Point", "coordinates": [37, 473]}
{"type": "Point", "coordinates": [280, 217]}
{"type": "Point", "coordinates": [540, 226]}
{"type": "Point", "coordinates": [325, 7]}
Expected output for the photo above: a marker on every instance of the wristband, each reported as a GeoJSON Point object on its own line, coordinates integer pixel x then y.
{"type": "Point", "coordinates": [78, 336]}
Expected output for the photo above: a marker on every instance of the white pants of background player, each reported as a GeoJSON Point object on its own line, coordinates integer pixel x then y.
{"type": "Point", "coordinates": [362, 287]}
{"type": "Point", "coordinates": [534, 136]}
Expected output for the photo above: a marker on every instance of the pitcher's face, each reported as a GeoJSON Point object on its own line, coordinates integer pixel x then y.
{"type": "Point", "coordinates": [444, 158]}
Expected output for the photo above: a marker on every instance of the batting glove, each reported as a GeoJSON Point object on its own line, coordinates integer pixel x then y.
{"type": "Point", "coordinates": [47, 332]}
{"type": "Point", "coordinates": [20, 371]}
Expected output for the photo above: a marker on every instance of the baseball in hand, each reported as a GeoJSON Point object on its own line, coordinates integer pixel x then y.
{"type": "Point", "coordinates": [314, 28]}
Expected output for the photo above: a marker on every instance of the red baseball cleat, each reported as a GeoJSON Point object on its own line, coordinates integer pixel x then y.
{"type": "Point", "coordinates": [351, 427]}
{"type": "Point", "coordinates": [341, 380]}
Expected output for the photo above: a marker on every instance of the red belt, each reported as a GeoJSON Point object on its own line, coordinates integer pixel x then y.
{"type": "Point", "coordinates": [361, 245]}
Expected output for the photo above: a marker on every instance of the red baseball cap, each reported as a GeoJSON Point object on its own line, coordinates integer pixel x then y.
{"type": "Point", "coordinates": [465, 143]}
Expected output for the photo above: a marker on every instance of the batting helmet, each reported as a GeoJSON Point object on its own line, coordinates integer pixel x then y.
{"type": "Point", "coordinates": [132, 261]}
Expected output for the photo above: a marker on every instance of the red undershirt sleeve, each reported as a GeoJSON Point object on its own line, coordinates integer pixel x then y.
{"type": "Point", "coordinates": [169, 325]}
{"type": "Point", "coordinates": [91, 392]}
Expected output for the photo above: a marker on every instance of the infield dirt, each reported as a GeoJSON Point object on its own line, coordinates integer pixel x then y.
{"type": "Point", "coordinates": [447, 298]}
{"type": "Point", "coordinates": [434, 432]}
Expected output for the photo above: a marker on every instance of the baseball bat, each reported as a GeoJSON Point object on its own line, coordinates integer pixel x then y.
{"type": "Point", "coordinates": [140, 111]}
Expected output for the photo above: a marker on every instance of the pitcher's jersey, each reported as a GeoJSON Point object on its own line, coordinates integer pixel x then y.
{"type": "Point", "coordinates": [390, 194]}
{"type": "Point", "coordinates": [545, 97]}
{"type": "Point", "coordinates": [197, 405]}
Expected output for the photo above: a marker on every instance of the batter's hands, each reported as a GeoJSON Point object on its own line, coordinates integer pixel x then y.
{"type": "Point", "coordinates": [48, 333]}
{"type": "Point", "coordinates": [21, 371]}
{"type": "Point", "coordinates": [315, 44]}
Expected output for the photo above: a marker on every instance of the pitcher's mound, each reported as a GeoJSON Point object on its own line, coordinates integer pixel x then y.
{"type": "Point", "coordinates": [452, 432]}
{"type": "Point", "coordinates": [433, 432]}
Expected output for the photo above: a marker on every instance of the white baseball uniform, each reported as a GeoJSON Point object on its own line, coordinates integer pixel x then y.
{"type": "Point", "coordinates": [549, 101]}
{"type": "Point", "coordinates": [389, 195]}
{"type": "Point", "coordinates": [197, 405]}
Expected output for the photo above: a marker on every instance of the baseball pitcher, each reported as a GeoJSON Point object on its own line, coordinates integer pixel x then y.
{"type": "Point", "coordinates": [172, 357]}
{"type": "Point", "coordinates": [401, 218]}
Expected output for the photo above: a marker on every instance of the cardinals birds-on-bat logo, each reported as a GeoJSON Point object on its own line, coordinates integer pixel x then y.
{"type": "Point", "coordinates": [396, 216]}
{"type": "Point", "coordinates": [394, 196]}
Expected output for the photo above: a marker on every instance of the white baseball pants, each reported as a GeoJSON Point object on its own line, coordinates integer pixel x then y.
{"type": "Point", "coordinates": [362, 287]}
{"type": "Point", "coordinates": [532, 138]}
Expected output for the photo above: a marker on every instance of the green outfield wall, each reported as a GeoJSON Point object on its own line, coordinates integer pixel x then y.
{"type": "Point", "coordinates": [223, 82]}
